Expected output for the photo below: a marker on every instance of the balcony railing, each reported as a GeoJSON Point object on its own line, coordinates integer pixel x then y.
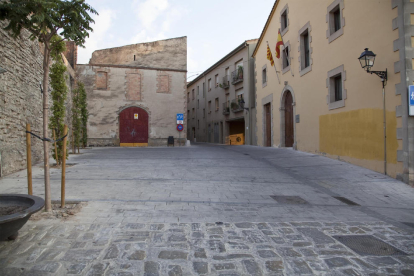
{"type": "Point", "coordinates": [226, 82]}
{"type": "Point", "coordinates": [226, 109]}
{"type": "Point", "coordinates": [237, 76]}
{"type": "Point", "coordinates": [235, 106]}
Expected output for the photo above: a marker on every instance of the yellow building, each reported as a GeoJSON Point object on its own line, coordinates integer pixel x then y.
{"type": "Point", "coordinates": [325, 102]}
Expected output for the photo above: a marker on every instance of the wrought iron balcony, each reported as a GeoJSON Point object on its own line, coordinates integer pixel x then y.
{"type": "Point", "coordinates": [226, 82]}
{"type": "Point", "coordinates": [237, 75]}
{"type": "Point", "coordinates": [235, 106]}
{"type": "Point", "coordinates": [226, 109]}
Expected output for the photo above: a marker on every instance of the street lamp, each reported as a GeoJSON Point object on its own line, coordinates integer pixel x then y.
{"type": "Point", "coordinates": [367, 60]}
{"type": "Point", "coordinates": [241, 103]}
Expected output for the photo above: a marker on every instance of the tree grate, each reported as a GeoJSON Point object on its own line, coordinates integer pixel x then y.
{"type": "Point", "coordinates": [346, 201]}
{"type": "Point", "coordinates": [289, 199]}
{"type": "Point", "coordinates": [367, 245]}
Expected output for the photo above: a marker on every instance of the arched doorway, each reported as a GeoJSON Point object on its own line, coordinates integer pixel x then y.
{"type": "Point", "coordinates": [289, 132]}
{"type": "Point", "coordinates": [133, 127]}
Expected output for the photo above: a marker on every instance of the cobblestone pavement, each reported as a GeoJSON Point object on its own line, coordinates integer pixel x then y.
{"type": "Point", "coordinates": [208, 210]}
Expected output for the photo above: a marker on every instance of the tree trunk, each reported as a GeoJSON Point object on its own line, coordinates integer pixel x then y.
{"type": "Point", "coordinates": [46, 58]}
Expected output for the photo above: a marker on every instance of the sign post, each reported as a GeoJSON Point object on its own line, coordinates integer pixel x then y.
{"type": "Point", "coordinates": [411, 100]}
{"type": "Point", "coordinates": [180, 122]}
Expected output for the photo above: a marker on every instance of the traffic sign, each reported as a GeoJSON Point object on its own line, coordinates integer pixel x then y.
{"type": "Point", "coordinates": [411, 100]}
{"type": "Point", "coordinates": [180, 127]}
{"type": "Point", "coordinates": [180, 122]}
{"type": "Point", "coordinates": [180, 117]}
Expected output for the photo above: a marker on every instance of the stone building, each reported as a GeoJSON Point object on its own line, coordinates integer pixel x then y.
{"type": "Point", "coordinates": [134, 93]}
{"type": "Point", "coordinates": [215, 99]}
{"type": "Point", "coordinates": [21, 101]}
{"type": "Point", "coordinates": [325, 102]}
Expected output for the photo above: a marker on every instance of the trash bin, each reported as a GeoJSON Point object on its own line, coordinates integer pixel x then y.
{"type": "Point", "coordinates": [170, 140]}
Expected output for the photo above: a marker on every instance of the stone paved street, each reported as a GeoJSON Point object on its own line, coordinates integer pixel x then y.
{"type": "Point", "coordinates": [208, 210]}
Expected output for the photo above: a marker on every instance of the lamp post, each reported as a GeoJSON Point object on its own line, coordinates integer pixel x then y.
{"type": "Point", "coordinates": [367, 60]}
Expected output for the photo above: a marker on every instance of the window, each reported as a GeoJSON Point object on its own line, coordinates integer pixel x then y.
{"type": "Point", "coordinates": [217, 104]}
{"type": "Point", "coordinates": [193, 113]}
{"type": "Point", "coordinates": [209, 107]}
{"type": "Point", "coordinates": [101, 80]}
{"type": "Point", "coordinates": [188, 115]}
{"type": "Point", "coordinates": [204, 90]}
{"type": "Point", "coordinates": [336, 92]}
{"type": "Point", "coordinates": [216, 81]}
{"type": "Point", "coordinates": [335, 20]}
{"type": "Point", "coordinates": [198, 91]}
{"type": "Point", "coordinates": [209, 84]}
{"type": "Point", "coordinates": [198, 104]}
{"type": "Point", "coordinates": [305, 49]}
{"type": "Point", "coordinates": [286, 61]}
{"type": "Point", "coordinates": [338, 88]}
{"type": "Point", "coordinates": [192, 93]}
{"type": "Point", "coordinates": [264, 76]}
{"type": "Point", "coordinates": [204, 112]}
{"type": "Point", "coordinates": [188, 97]}
{"type": "Point", "coordinates": [239, 94]}
{"type": "Point", "coordinates": [284, 21]}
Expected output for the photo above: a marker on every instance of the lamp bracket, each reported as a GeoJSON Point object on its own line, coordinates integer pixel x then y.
{"type": "Point", "coordinates": [382, 74]}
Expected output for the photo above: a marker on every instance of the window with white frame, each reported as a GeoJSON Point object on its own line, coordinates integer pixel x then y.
{"type": "Point", "coordinates": [217, 104]}
{"type": "Point", "coordinates": [286, 57]}
{"type": "Point", "coordinates": [284, 20]}
{"type": "Point", "coordinates": [336, 92]}
{"type": "Point", "coordinates": [264, 75]}
{"type": "Point", "coordinates": [305, 49]}
{"type": "Point", "coordinates": [216, 80]}
{"type": "Point", "coordinates": [335, 20]}
{"type": "Point", "coordinates": [209, 84]}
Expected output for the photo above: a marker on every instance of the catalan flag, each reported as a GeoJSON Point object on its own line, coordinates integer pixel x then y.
{"type": "Point", "coordinates": [269, 56]}
{"type": "Point", "coordinates": [278, 44]}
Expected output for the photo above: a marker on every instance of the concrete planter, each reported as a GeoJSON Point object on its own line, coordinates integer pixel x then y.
{"type": "Point", "coordinates": [10, 224]}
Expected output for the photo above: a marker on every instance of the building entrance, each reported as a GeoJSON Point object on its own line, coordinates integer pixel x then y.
{"type": "Point", "coordinates": [289, 136]}
{"type": "Point", "coordinates": [133, 127]}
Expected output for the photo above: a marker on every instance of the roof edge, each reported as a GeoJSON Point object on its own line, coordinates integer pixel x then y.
{"type": "Point", "coordinates": [265, 27]}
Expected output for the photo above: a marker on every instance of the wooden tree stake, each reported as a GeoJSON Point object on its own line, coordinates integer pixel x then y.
{"type": "Point", "coordinates": [62, 204]}
{"type": "Point", "coordinates": [29, 161]}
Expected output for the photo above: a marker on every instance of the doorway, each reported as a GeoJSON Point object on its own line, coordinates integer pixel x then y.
{"type": "Point", "coordinates": [268, 125]}
{"type": "Point", "coordinates": [289, 135]}
{"type": "Point", "coordinates": [133, 127]}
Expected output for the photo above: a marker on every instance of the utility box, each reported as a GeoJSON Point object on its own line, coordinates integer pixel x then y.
{"type": "Point", "coordinates": [170, 141]}
{"type": "Point", "coordinates": [235, 139]}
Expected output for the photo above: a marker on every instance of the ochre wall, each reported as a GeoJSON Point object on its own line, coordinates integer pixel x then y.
{"type": "Point", "coordinates": [344, 132]}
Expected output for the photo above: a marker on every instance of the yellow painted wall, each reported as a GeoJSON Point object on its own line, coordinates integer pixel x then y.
{"type": "Point", "coordinates": [358, 134]}
{"type": "Point", "coordinates": [364, 91]}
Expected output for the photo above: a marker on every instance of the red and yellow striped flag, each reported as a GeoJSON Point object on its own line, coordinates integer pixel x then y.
{"type": "Point", "coordinates": [269, 56]}
{"type": "Point", "coordinates": [278, 44]}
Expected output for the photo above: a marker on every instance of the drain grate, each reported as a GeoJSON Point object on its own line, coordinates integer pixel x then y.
{"type": "Point", "coordinates": [346, 201]}
{"type": "Point", "coordinates": [366, 245]}
{"type": "Point", "coordinates": [289, 199]}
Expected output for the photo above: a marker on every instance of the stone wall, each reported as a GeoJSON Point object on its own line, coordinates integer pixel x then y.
{"type": "Point", "coordinates": [21, 100]}
{"type": "Point", "coordinates": [169, 53]}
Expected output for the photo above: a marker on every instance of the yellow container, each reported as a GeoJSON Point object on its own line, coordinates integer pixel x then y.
{"type": "Point", "coordinates": [235, 139]}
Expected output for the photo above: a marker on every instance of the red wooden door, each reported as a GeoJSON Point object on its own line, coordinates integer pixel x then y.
{"type": "Point", "coordinates": [133, 128]}
{"type": "Point", "coordinates": [268, 126]}
{"type": "Point", "coordinates": [288, 120]}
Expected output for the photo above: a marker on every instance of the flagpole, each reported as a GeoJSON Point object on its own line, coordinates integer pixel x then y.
{"type": "Point", "coordinates": [287, 57]}
{"type": "Point", "coordinates": [274, 64]}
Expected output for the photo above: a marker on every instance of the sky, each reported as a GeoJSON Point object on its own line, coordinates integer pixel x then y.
{"type": "Point", "coordinates": [213, 28]}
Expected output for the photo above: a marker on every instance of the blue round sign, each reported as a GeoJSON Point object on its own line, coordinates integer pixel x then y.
{"type": "Point", "coordinates": [180, 127]}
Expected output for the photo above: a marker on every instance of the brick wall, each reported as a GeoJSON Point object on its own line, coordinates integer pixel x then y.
{"type": "Point", "coordinates": [21, 100]}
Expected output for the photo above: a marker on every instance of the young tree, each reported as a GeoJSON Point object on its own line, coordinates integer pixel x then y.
{"type": "Point", "coordinates": [44, 19]}
{"type": "Point", "coordinates": [59, 93]}
{"type": "Point", "coordinates": [76, 117]}
{"type": "Point", "coordinates": [83, 108]}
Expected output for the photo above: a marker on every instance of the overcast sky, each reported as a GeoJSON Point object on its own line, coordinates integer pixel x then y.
{"type": "Point", "coordinates": [213, 28]}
